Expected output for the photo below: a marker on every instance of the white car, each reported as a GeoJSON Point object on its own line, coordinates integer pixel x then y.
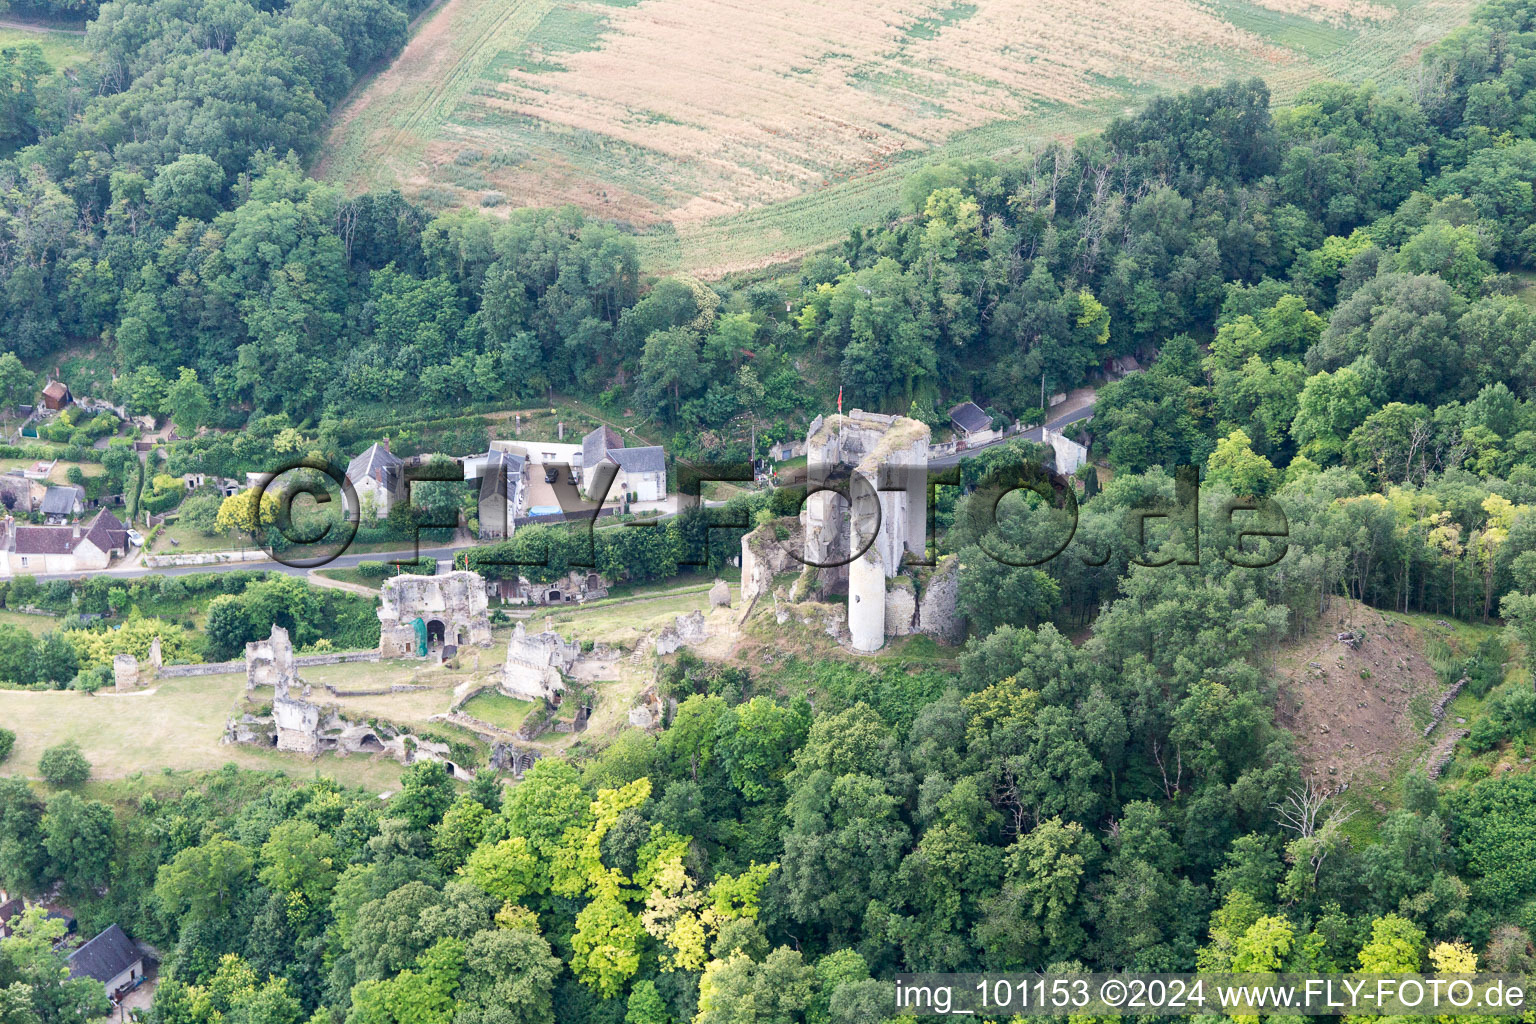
{"type": "Point", "coordinates": [135, 538]}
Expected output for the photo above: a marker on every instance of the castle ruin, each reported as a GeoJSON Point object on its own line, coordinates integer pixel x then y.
{"type": "Point", "coordinates": [270, 662]}
{"type": "Point", "coordinates": [537, 665]}
{"type": "Point", "coordinates": [866, 511]}
{"type": "Point", "coordinates": [422, 614]}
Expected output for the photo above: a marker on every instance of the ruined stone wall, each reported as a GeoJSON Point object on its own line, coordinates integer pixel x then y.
{"type": "Point", "coordinates": [219, 668]}
{"type": "Point", "coordinates": [456, 599]}
{"type": "Point", "coordinates": [876, 470]}
{"type": "Point", "coordinates": [763, 556]}
{"type": "Point", "coordinates": [938, 615]}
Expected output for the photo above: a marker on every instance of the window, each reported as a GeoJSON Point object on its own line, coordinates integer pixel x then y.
{"type": "Point", "coordinates": [23, 561]}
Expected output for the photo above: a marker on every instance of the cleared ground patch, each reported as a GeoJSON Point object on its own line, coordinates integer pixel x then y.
{"type": "Point", "coordinates": [1358, 713]}
{"type": "Point", "coordinates": [735, 134]}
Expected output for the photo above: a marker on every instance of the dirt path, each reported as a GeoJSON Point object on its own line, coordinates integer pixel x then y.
{"type": "Point", "coordinates": [314, 576]}
{"type": "Point", "coordinates": [41, 29]}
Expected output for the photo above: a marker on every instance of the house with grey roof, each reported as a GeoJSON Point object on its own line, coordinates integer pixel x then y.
{"type": "Point", "coordinates": [61, 503]}
{"type": "Point", "coordinates": [380, 475]}
{"type": "Point", "coordinates": [112, 959]}
{"type": "Point", "coordinates": [503, 478]}
{"type": "Point", "coordinates": [637, 473]}
{"type": "Point", "coordinates": [642, 473]}
{"type": "Point", "coordinates": [594, 450]}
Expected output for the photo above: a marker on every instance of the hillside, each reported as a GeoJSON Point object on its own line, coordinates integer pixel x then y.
{"type": "Point", "coordinates": [737, 135]}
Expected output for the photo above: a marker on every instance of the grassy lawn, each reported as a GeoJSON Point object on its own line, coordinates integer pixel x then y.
{"type": "Point", "coordinates": [498, 709]}
{"type": "Point", "coordinates": [60, 471]}
{"type": "Point", "coordinates": [37, 625]}
{"type": "Point", "coordinates": [625, 621]}
{"type": "Point", "coordinates": [60, 49]}
{"type": "Point", "coordinates": [190, 539]}
{"type": "Point", "coordinates": [176, 725]}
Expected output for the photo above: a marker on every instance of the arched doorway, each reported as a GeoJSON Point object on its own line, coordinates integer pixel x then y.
{"type": "Point", "coordinates": [554, 597]}
{"type": "Point", "coordinates": [371, 744]}
{"type": "Point", "coordinates": [435, 630]}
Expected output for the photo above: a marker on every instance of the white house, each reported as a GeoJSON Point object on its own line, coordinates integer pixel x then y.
{"type": "Point", "coordinates": [379, 474]}
{"type": "Point", "coordinates": [640, 473]}
{"type": "Point", "coordinates": [65, 549]}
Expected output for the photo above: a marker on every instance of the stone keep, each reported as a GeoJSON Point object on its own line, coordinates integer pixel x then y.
{"type": "Point", "coordinates": [453, 603]}
{"type": "Point", "coordinates": [270, 662]}
{"type": "Point", "coordinates": [536, 665]}
{"type": "Point", "coordinates": [875, 468]}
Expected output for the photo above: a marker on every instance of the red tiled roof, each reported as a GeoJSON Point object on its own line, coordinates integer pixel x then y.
{"type": "Point", "coordinates": [106, 531]}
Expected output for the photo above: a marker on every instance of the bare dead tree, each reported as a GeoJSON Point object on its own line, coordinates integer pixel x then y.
{"type": "Point", "coordinates": [1170, 786]}
{"type": "Point", "coordinates": [1302, 810]}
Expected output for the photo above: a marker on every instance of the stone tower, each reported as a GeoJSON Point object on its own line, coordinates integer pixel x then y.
{"type": "Point", "coordinates": [867, 510]}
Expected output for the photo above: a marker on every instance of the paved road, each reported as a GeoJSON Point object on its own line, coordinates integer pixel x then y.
{"type": "Point", "coordinates": [1034, 434]}
{"type": "Point", "coordinates": [350, 560]}
{"type": "Point", "coordinates": [346, 561]}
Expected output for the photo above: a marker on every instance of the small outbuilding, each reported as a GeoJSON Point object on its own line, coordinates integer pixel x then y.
{"type": "Point", "coordinates": [971, 423]}
{"type": "Point", "coordinates": [56, 395]}
{"type": "Point", "coordinates": [62, 502]}
{"type": "Point", "coordinates": [112, 959]}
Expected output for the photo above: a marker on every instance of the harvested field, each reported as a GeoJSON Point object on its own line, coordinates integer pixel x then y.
{"type": "Point", "coordinates": [735, 134]}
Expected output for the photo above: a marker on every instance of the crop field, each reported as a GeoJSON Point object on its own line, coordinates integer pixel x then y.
{"type": "Point", "coordinates": [734, 134]}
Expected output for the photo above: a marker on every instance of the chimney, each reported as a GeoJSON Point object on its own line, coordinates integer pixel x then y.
{"type": "Point", "coordinates": [385, 444]}
{"type": "Point", "coordinates": [77, 531]}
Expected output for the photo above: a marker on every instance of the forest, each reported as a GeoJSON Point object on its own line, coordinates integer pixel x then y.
{"type": "Point", "coordinates": [1331, 298]}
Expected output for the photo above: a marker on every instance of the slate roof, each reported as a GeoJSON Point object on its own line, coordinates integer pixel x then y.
{"type": "Point", "coordinates": [104, 957]}
{"type": "Point", "coordinates": [640, 460]}
{"type": "Point", "coordinates": [378, 464]}
{"type": "Point", "coordinates": [56, 389]}
{"type": "Point", "coordinates": [106, 531]}
{"type": "Point", "coordinates": [503, 467]}
{"type": "Point", "coordinates": [970, 417]}
{"type": "Point", "coordinates": [597, 444]}
{"type": "Point", "coordinates": [60, 500]}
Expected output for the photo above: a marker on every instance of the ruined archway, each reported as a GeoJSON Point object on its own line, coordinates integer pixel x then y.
{"type": "Point", "coordinates": [435, 631]}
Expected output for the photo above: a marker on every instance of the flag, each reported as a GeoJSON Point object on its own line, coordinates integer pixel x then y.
{"type": "Point", "coordinates": [839, 399]}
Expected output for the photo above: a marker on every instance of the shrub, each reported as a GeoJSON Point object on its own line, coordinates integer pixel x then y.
{"type": "Point", "coordinates": [92, 679]}
{"type": "Point", "coordinates": [7, 742]}
{"type": "Point", "coordinates": [372, 570]}
{"type": "Point", "coordinates": [64, 765]}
